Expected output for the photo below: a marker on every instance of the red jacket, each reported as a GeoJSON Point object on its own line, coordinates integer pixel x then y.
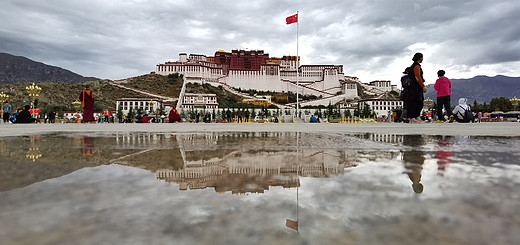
{"type": "Point", "coordinates": [443, 86]}
{"type": "Point", "coordinates": [146, 119]}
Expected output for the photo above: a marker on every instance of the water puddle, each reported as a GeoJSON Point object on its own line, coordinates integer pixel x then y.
{"type": "Point", "coordinates": [258, 188]}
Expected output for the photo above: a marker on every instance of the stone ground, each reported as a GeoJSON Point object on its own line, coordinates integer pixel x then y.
{"type": "Point", "coordinates": [454, 129]}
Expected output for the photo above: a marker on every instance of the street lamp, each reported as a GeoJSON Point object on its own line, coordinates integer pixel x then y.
{"type": "Point", "coordinates": [3, 98]}
{"type": "Point", "coordinates": [428, 103]}
{"type": "Point", "coordinates": [514, 102]}
{"type": "Point", "coordinates": [77, 106]}
{"type": "Point", "coordinates": [33, 92]}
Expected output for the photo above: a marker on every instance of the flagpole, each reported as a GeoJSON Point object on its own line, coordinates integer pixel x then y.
{"type": "Point", "coordinates": [297, 66]}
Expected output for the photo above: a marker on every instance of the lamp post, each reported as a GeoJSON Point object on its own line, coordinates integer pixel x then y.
{"type": "Point", "coordinates": [514, 102]}
{"type": "Point", "coordinates": [3, 98]}
{"type": "Point", "coordinates": [77, 106]}
{"type": "Point", "coordinates": [428, 103]}
{"type": "Point", "coordinates": [33, 92]}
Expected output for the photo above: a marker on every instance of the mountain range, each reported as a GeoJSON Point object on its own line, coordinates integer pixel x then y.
{"type": "Point", "coordinates": [18, 69]}
{"type": "Point", "coordinates": [480, 88]}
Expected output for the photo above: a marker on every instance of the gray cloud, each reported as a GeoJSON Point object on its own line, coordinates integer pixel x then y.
{"type": "Point", "coordinates": [372, 39]}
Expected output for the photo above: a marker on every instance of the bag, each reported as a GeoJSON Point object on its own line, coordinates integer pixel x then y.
{"type": "Point", "coordinates": [402, 95]}
{"type": "Point", "coordinates": [468, 115]}
{"type": "Point", "coordinates": [407, 79]}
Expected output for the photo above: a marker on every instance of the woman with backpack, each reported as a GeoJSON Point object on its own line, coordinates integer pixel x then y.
{"type": "Point", "coordinates": [414, 98]}
{"type": "Point", "coordinates": [462, 112]}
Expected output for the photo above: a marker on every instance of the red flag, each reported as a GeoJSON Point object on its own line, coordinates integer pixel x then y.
{"type": "Point", "coordinates": [291, 19]}
{"type": "Point", "coordinates": [291, 224]}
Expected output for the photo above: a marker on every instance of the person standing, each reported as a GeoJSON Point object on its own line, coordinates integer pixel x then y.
{"type": "Point", "coordinates": [87, 103]}
{"type": "Point", "coordinates": [414, 98]}
{"type": "Point", "coordinates": [443, 88]}
{"type": "Point", "coordinates": [7, 111]}
{"type": "Point", "coordinates": [479, 116]}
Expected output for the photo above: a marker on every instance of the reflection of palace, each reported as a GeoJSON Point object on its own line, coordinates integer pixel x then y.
{"type": "Point", "coordinates": [235, 162]}
{"type": "Point", "coordinates": [241, 162]}
{"type": "Point", "coordinates": [254, 171]}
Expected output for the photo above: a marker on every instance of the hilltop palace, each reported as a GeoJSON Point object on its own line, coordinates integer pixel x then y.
{"type": "Point", "coordinates": [254, 69]}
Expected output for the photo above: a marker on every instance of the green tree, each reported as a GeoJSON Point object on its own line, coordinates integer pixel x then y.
{"type": "Point", "coordinates": [131, 114]}
{"type": "Point", "coordinates": [347, 113]}
{"type": "Point", "coordinates": [119, 114]}
{"type": "Point", "coordinates": [501, 104]}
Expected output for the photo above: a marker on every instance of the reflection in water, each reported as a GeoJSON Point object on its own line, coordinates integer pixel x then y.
{"type": "Point", "coordinates": [443, 154]}
{"type": "Point", "coordinates": [34, 151]}
{"type": "Point", "coordinates": [413, 161]}
{"type": "Point", "coordinates": [88, 148]}
{"type": "Point", "coordinates": [128, 202]}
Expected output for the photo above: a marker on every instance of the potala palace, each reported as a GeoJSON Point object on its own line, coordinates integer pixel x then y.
{"type": "Point", "coordinates": [254, 69]}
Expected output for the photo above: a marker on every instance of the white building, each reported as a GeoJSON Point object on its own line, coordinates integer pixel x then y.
{"type": "Point", "coordinates": [274, 74]}
{"type": "Point", "coordinates": [205, 101]}
{"type": "Point", "coordinates": [137, 104]}
{"type": "Point", "coordinates": [381, 105]}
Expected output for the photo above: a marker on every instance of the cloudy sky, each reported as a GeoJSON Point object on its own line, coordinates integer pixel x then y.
{"type": "Point", "coordinates": [372, 39]}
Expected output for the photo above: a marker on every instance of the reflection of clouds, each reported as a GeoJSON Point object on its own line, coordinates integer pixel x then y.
{"type": "Point", "coordinates": [116, 204]}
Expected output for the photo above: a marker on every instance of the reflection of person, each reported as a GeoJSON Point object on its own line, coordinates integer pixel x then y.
{"type": "Point", "coordinates": [443, 155]}
{"type": "Point", "coordinates": [174, 116]}
{"type": "Point", "coordinates": [413, 161]}
{"type": "Point", "coordinates": [87, 103]}
{"type": "Point", "coordinates": [443, 87]}
{"type": "Point", "coordinates": [414, 98]}
{"type": "Point", "coordinates": [24, 116]}
{"type": "Point", "coordinates": [87, 146]}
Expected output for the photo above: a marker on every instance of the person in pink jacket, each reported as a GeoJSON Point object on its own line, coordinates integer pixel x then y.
{"type": "Point", "coordinates": [443, 88]}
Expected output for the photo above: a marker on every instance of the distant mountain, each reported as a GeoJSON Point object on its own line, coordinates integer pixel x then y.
{"type": "Point", "coordinates": [480, 88]}
{"type": "Point", "coordinates": [18, 69]}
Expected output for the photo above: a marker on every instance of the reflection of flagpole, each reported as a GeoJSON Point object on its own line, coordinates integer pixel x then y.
{"type": "Point", "coordinates": [291, 223]}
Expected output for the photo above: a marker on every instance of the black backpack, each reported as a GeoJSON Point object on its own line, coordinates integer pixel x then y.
{"type": "Point", "coordinates": [407, 79]}
{"type": "Point", "coordinates": [468, 115]}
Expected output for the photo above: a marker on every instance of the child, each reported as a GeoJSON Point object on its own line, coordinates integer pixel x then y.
{"type": "Point", "coordinates": [443, 88]}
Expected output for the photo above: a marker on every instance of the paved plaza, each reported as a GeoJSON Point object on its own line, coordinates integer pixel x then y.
{"type": "Point", "coordinates": [448, 129]}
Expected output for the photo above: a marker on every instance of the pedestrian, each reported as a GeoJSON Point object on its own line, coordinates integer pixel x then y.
{"type": "Point", "coordinates": [239, 115]}
{"type": "Point", "coordinates": [414, 98]}
{"type": "Point", "coordinates": [228, 115]}
{"type": "Point", "coordinates": [479, 116]}
{"type": "Point", "coordinates": [7, 111]}
{"type": "Point", "coordinates": [52, 117]}
{"type": "Point", "coordinates": [462, 111]}
{"type": "Point", "coordinates": [87, 103]}
{"type": "Point", "coordinates": [25, 116]}
{"type": "Point", "coordinates": [443, 88]}
{"type": "Point", "coordinates": [145, 119]}
{"type": "Point", "coordinates": [246, 116]}
{"type": "Point", "coordinates": [174, 116]}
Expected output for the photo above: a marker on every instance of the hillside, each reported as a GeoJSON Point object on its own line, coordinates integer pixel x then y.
{"type": "Point", "coordinates": [59, 96]}
{"type": "Point", "coordinates": [18, 69]}
{"type": "Point", "coordinates": [481, 88]}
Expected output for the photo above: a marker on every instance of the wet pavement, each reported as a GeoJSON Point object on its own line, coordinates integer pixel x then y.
{"type": "Point", "coordinates": [258, 188]}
